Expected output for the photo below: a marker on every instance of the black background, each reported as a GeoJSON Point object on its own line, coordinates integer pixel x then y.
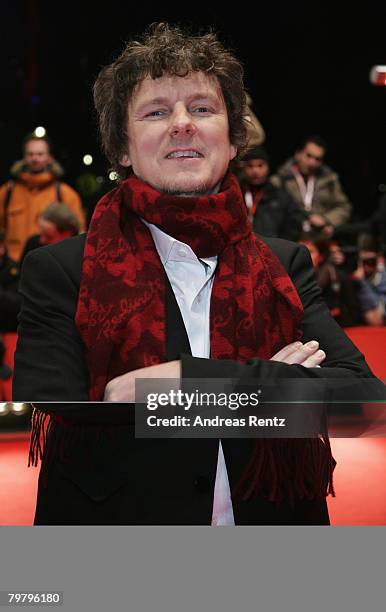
{"type": "Point", "coordinates": [306, 67]}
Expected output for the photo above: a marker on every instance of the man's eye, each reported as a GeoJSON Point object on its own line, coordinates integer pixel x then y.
{"type": "Point", "coordinates": [156, 113]}
{"type": "Point", "coordinates": [201, 109]}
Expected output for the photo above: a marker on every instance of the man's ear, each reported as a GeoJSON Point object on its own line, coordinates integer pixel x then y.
{"type": "Point", "coordinates": [125, 160]}
{"type": "Point", "coordinates": [233, 152]}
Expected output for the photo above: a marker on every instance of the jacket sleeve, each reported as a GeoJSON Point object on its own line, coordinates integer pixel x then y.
{"type": "Point", "coordinates": [293, 219]}
{"type": "Point", "coordinates": [50, 364]}
{"type": "Point", "coordinates": [276, 181]}
{"type": "Point", "coordinates": [343, 359]}
{"type": "Point", "coordinates": [367, 296]}
{"type": "Point", "coordinates": [341, 210]}
{"type": "Point", "coordinates": [50, 359]}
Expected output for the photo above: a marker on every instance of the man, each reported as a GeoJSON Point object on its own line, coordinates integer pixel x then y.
{"type": "Point", "coordinates": [35, 184]}
{"type": "Point", "coordinates": [337, 288]}
{"type": "Point", "coordinates": [315, 187]}
{"type": "Point", "coordinates": [375, 224]}
{"type": "Point", "coordinates": [271, 210]}
{"type": "Point", "coordinates": [171, 282]}
{"type": "Point", "coordinates": [371, 278]}
{"type": "Point", "coordinates": [56, 223]}
{"type": "Point", "coordinates": [10, 300]}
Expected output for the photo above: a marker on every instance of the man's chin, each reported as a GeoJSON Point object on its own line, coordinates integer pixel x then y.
{"type": "Point", "coordinates": [188, 188]}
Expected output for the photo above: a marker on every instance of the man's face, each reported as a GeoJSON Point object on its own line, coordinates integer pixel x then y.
{"type": "Point", "coordinates": [310, 158]}
{"type": "Point", "coordinates": [49, 233]}
{"type": "Point", "coordinates": [178, 134]}
{"type": "Point", "coordinates": [37, 155]}
{"type": "Point", "coordinates": [368, 259]}
{"type": "Point", "coordinates": [256, 171]}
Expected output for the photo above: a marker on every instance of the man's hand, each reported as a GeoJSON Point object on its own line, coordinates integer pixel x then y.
{"type": "Point", "coordinates": [307, 355]}
{"type": "Point", "coordinates": [322, 224]}
{"type": "Point", "coordinates": [359, 273]}
{"type": "Point", "coordinates": [122, 388]}
{"type": "Point", "coordinates": [317, 220]}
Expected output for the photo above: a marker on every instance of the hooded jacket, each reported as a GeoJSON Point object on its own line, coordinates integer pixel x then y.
{"type": "Point", "coordinates": [30, 195]}
{"type": "Point", "coordinates": [329, 199]}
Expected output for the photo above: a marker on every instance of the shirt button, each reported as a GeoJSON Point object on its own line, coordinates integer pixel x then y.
{"type": "Point", "coordinates": [182, 252]}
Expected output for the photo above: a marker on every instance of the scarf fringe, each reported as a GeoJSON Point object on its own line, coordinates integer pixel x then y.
{"type": "Point", "coordinates": [54, 436]}
{"type": "Point", "coordinates": [288, 470]}
{"type": "Point", "coordinates": [41, 424]}
{"type": "Point", "coordinates": [279, 470]}
{"type": "Point", "coordinates": [45, 444]}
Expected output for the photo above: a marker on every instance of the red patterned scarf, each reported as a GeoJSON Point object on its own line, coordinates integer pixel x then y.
{"type": "Point", "coordinates": [255, 309]}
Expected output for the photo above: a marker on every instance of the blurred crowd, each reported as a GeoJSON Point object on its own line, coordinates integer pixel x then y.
{"type": "Point", "coordinates": [303, 200]}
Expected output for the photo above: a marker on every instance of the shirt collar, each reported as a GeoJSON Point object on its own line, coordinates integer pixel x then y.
{"type": "Point", "coordinates": [167, 248]}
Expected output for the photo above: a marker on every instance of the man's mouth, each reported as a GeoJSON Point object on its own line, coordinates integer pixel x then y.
{"type": "Point", "coordinates": [188, 153]}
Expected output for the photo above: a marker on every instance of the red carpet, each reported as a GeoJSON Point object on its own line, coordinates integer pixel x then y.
{"type": "Point", "coordinates": [359, 476]}
{"type": "Point", "coordinates": [371, 341]}
{"type": "Point", "coordinates": [359, 482]}
{"type": "Point", "coordinates": [9, 340]}
{"type": "Point", "coordinates": [18, 483]}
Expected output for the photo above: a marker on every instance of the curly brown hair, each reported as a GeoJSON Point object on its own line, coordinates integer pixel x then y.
{"type": "Point", "coordinates": [169, 50]}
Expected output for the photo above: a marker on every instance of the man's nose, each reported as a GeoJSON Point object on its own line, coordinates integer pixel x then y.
{"type": "Point", "coordinates": [181, 122]}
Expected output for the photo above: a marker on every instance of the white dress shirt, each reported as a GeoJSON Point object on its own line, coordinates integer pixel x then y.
{"type": "Point", "coordinates": [192, 279]}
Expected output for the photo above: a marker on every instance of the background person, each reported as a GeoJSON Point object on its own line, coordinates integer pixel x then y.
{"type": "Point", "coordinates": [337, 288]}
{"type": "Point", "coordinates": [314, 186]}
{"type": "Point", "coordinates": [36, 182]}
{"type": "Point", "coordinates": [371, 278]}
{"type": "Point", "coordinates": [10, 299]}
{"type": "Point", "coordinates": [56, 223]}
{"type": "Point", "coordinates": [271, 210]}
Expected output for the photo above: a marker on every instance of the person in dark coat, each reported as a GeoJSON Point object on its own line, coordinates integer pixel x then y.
{"type": "Point", "coordinates": [10, 300]}
{"type": "Point", "coordinates": [338, 290]}
{"type": "Point", "coordinates": [272, 211]}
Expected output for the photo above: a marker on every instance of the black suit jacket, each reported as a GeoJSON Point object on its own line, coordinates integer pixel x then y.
{"type": "Point", "coordinates": [113, 478]}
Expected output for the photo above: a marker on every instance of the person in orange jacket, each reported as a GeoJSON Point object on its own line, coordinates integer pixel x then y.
{"type": "Point", "coordinates": [35, 184]}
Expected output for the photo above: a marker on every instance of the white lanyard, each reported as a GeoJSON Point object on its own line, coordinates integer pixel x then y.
{"type": "Point", "coordinates": [248, 197]}
{"type": "Point", "coordinates": [306, 189]}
